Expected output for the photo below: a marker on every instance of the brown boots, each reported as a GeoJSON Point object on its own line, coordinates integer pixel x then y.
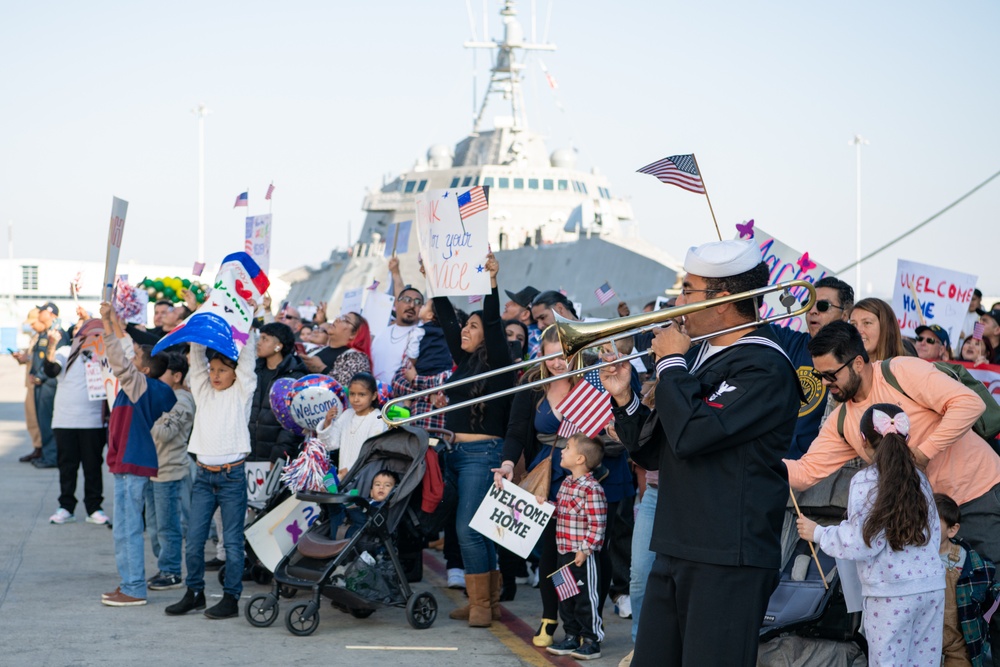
{"type": "Point", "coordinates": [484, 600]}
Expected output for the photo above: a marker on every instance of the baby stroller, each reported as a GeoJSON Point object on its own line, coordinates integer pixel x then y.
{"type": "Point", "coordinates": [362, 573]}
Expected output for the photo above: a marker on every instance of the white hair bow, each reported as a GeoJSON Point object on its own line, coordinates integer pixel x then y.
{"type": "Point", "coordinates": [884, 424]}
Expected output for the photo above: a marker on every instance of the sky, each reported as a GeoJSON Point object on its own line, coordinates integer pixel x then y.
{"type": "Point", "coordinates": [326, 99]}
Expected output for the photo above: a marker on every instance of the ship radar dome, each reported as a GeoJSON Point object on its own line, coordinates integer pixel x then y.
{"type": "Point", "coordinates": [439, 157]}
{"type": "Point", "coordinates": [563, 158]}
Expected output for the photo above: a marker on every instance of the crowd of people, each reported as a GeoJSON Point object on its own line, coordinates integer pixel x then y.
{"type": "Point", "coordinates": [675, 513]}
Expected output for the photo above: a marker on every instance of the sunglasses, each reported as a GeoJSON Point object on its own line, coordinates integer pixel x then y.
{"type": "Point", "coordinates": [830, 376]}
{"type": "Point", "coordinates": [823, 305]}
{"type": "Point", "coordinates": [415, 300]}
{"type": "Point", "coordinates": [930, 340]}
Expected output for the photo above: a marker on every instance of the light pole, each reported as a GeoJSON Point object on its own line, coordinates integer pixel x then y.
{"type": "Point", "coordinates": [858, 141]}
{"type": "Point", "coordinates": [201, 111]}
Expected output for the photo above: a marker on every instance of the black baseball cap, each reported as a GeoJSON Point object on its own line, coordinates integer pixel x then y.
{"type": "Point", "coordinates": [49, 306]}
{"type": "Point", "coordinates": [524, 297]}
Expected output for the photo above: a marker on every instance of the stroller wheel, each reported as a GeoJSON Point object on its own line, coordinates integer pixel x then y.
{"type": "Point", "coordinates": [262, 610]}
{"type": "Point", "coordinates": [421, 610]}
{"type": "Point", "coordinates": [362, 613]}
{"type": "Point", "coordinates": [298, 623]}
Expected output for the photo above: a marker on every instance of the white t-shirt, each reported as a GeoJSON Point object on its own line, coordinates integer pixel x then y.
{"type": "Point", "coordinates": [348, 432]}
{"type": "Point", "coordinates": [72, 408]}
{"type": "Point", "coordinates": [392, 346]}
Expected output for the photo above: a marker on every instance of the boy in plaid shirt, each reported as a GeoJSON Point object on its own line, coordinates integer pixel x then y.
{"type": "Point", "coordinates": [581, 514]}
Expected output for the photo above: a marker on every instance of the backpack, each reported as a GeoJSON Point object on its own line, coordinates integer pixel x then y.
{"type": "Point", "coordinates": [988, 424]}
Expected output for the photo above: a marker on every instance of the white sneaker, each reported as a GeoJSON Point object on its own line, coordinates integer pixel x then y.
{"type": "Point", "coordinates": [456, 578]}
{"type": "Point", "coordinates": [533, 576]}
{"type": "Point", "coordinates": [99, 517]}
{"type": "Point", "coordinates": [61, 516]}
{"type": "Point", "coordinates": [623, 606]}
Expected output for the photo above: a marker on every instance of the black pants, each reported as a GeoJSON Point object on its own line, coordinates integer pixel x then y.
{"type": "Point", "coordinates": [579, 613]}
{"type": "Point", "coordinates": [618, 544]}
{"type": "Point", "coordinates": [76, 446]}
{"type": "Point", "coordinates": [697, 614]}
{"type": "Point", "coordinates": [548, 563]}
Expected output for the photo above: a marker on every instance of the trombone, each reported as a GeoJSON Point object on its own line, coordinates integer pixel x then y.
{"type": "Point", "coordinates": [577, 336]}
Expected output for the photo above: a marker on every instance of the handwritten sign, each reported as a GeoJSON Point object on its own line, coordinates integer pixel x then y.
{"type": "Point", "coordinates": [352, 300]}
{"type": "Point", "coordinates": [256, 473]}
{"type": "Point", "coordinates": [512, 518]}
{"type": "Point", "coordinates": [275, 533]}
{"type": "Point", "coordinates": [116, 230]}
{"type": "Point", "coordinates": [925, 294]}
{"type": "Point", "coordinates": [452, 230]}
{"type": "Point", "coordinates": [784, 264]}
{"type": "Point", "coordinates": [95, 381]}
{"type": "Point", "coordinates": [258, 240]}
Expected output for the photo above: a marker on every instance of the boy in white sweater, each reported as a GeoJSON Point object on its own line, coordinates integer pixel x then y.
{"type": "Point", "coordinates": [223, 390]}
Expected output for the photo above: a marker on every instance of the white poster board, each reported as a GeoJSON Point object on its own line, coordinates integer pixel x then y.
{"type": "Point", "coordinates": [119, 207]}
{"type": "Point", "coordinates": [352, 300]}
{"type": "Point", "coordinates": [256, 472]}
{"type": "Point", "coordinates": [258, 240]}
{"type": "Point", "coordinates": [273, 535]}
{"type": "Point", "coordinates": [925, 295]}
{"type": "Point", "coordinates": [378, 311]}
{"type": "Point", "coordinates": [452, 229]}
{"type": "Point", "coordinates": [784, 264]}
{"type": "Point", "coordinates": [95, 381]}
{"type": "Point", "coordinates": [512, 518]}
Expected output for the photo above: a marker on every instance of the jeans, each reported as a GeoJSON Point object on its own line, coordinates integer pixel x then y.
{"type": "Point", "coordinates": [45, 402]}
{"type": "Point", "coordinates": [76, 447]}
{"type": "Point", "coordinates": [130, 551]}
{"type": "Point", "coordinates": [228, 492]}
{"type": "Point", "coordinates": [163, 523]}
{"type": "Point", "coordinates": [468, 470]}
{"type": "Point", "coordinates": [642, 557]}
{"type": "Point", "coordinates": [187, 484]}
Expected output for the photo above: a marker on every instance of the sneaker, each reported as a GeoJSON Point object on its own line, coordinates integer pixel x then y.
{"type": "Point", "coordinates": [165, 582]}
{"type": "Point", "coordinates": [627, 660]}
{"type": "Point", "coordinates": [623, 606]}
{"type": "Point", "coordinates": [565, 647]}
{"type": "Point", "coordinates": [62, 516]}
{"type": "Point", "coordinates": [154, 577]}
{"type": "Point", "coordinates": [99, 517]}
{"type": "Point", "coordinates": [112, 593]}
{"type": "Point", "coordinates": [227, 608]}
{"type": "Point", "coordinates": [456, 578]}
{"type": "Point", "coordinates": [119, 599]}
{"type": "Point", "coordinates": [533, 576]}
{"type": "Point", "coordinates": [191, 600]}
{"type": "Point", "coordinates": [589, 651]}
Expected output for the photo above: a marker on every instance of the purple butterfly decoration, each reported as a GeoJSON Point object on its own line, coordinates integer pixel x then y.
{"type": "Point", "coordinates": [805, 263]}
{"type": "Point", "coordinates": [745, 230]}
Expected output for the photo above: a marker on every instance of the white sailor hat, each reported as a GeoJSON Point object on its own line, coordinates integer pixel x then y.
{"type": "Point", "coordinates": [721, 259]}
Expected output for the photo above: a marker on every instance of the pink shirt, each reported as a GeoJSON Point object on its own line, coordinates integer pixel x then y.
{"type": "Point", "coordinates": [941, 413]}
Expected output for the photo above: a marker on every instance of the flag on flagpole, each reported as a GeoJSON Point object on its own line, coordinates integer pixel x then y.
{"type": "Point", "coordinates": [604, 293]}
{"type": "Point", "coordinates": [679, 170]}
{"type": "Point", "coordinates": [270, 190]}
{"type": "Point", "coordinates": [565, 583]}
{"type": "Point", "coordinates": [241, 200]}
{"type": "Point", "coordinates": [586, 407]}
{"type": "Point", "coordinates": [472, 202]}
{"type": "Point", "coordinates": [198, 268]}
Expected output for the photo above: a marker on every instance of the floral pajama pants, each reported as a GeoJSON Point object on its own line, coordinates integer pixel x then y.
{"type": "Point", "coordinates": [905, 630]}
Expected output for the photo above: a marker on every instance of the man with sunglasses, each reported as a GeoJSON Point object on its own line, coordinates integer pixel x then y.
{"type": "Point", "coordinates": [941, 411]}
{"type": "Point", "coordinates": [290, 317]}
{"type": "Point", "coordinates": [933, 343]}
{"type": "Point", "coordinates": [400, 341]}
{"type": "Point", "coordinates": [724, 413]}
{"type": "Point", "coordinates": [834, 300]}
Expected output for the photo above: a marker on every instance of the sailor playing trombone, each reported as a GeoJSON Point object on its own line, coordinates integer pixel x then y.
{"type": "Point", "coordinates": [716, 425]}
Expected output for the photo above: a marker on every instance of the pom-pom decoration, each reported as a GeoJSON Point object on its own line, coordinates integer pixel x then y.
{"type": "Point", "coordinates": [307, 471]}
{"type": "Point", "coordinates": [130, 303]}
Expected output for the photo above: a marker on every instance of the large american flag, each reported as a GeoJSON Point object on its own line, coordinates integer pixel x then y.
{"type": "Point", "coordinates": [270, 191]}
{"type": "Point", "coordinates": [472, 202]}
{"type": "Point", "coordinates": [565, 583]}
{"type": "Point", "coordinates": [679, 170]}
{"type": "Point", "coordinates": [604, 293]}
{"type": "Point", "coordinates": [586, 407]}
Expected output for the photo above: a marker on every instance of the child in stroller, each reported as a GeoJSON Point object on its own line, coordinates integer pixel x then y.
{"type": "Point", "coordinates": [382, 485]}
{"type": "Point", "coordinates": [363, 572]}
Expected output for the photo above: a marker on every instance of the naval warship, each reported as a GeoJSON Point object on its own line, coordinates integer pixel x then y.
{"type": "Point", "coordinates": [551, 225]}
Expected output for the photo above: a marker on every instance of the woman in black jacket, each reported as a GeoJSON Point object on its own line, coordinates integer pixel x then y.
{"type": "Point", "coordinates": [275, 360]}
{"type": "Point", "coordinates": [479, 346]}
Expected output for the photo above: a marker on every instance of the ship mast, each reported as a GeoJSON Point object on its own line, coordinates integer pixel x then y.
{"type": "Point", "coordinates": [505, 79]}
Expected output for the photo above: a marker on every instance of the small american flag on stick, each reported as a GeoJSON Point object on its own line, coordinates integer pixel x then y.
{"type": "Point", "coordinates": [586, 407]}
{"type": "Point", "coordinates": [679, 170]}
{"type": "Point", "coordinates": [472, 202]}
{"type": "Point", "coordinates": [977, 330]}
{"type": "Point", "coordinates": [565, 583]}
{"type": "Point", "coordinates": [604, 293]}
